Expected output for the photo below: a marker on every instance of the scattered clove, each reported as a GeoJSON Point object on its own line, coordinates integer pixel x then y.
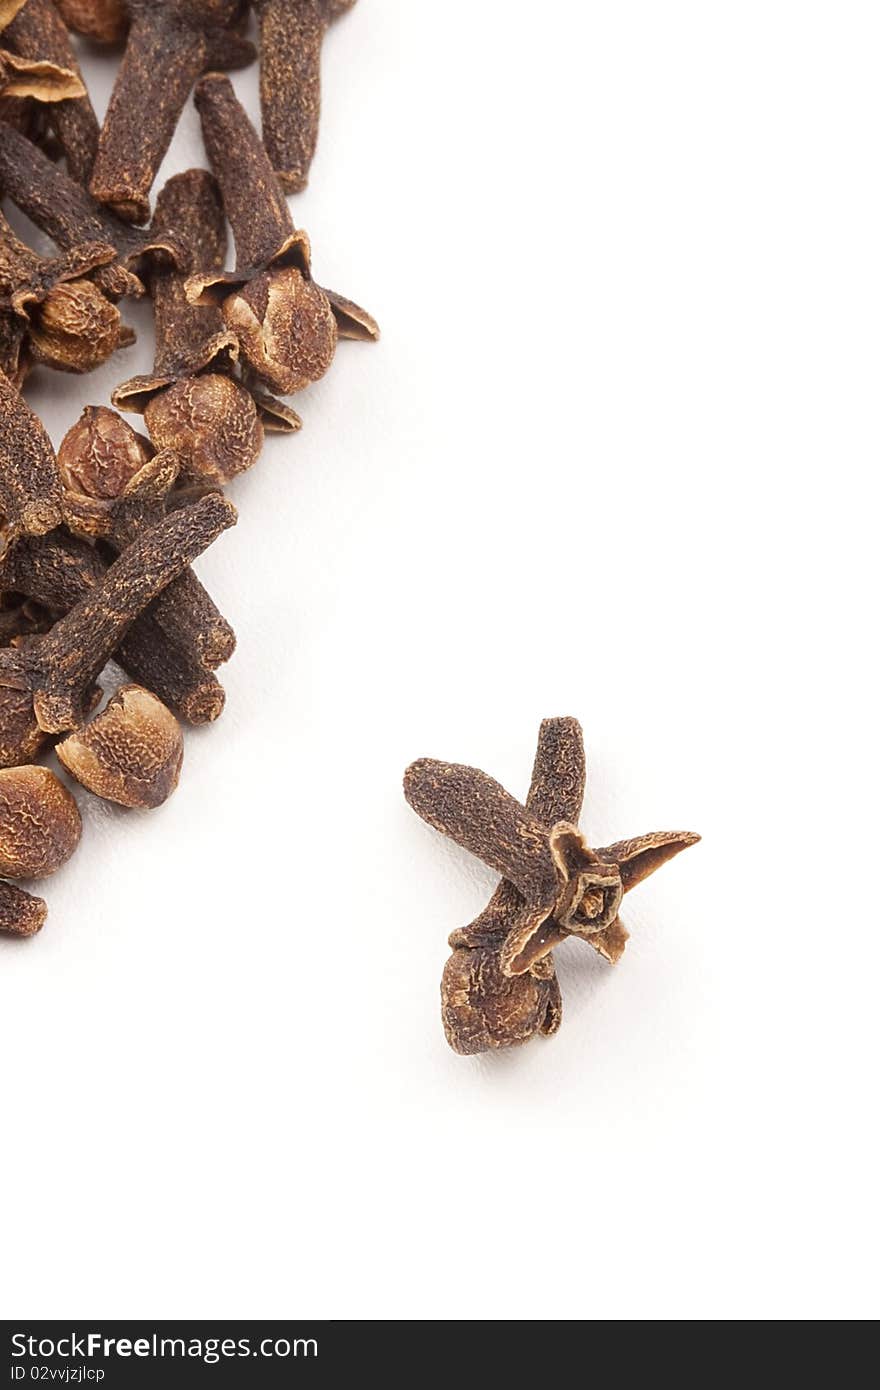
{"type": "Point", "coordinates": [70, 325]}
{"type": "Point", "coordinates": [285, 323]}
{"type": "Point", "coordinates": [565, 888]}
{"type": "Point", "coordinates": [21, 914]}
{"type": "Point", "coordinates": [166, 50]}
{"type": "Point", "coordinates": [70, 216]}
{"type": "Point", "coordinates": [130, 753]}
{"type": "Point", "coordinates": [30, 484]}
{"type": "Point", "coordinates": [291, 36]}
{"type": "Point", "coordinates": [40, 824]}
{"type": "Point", "coordinates": [38, 31]}
{"type": "Point", "coordinates": [45, 685]}
{"type": "Point", "coordinates": [191, 402]}
{"type": "Point", "coordinates": [58, 570]}
{"type": "Point", "coordinates": [482, 1008]}
{"type": "Point", "coordinates": [184, 610]}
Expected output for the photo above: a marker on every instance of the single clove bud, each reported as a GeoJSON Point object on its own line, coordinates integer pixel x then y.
{"type": "Point", "coordinates": [285, 323]}
{"type": "Point", "coordinates": [102, 21]}
{"type": "Point", "coordinates": [71, 326]}
{"type": "Point", "coordinates": [568, 889]}
{"type": "Point", "coordinates": [70, 216]}
{"type": "Point", "coordinates": [30, 485]}
{"type": "Point", "coordinates": [482, 1008]}
{"type": "Point", "coordinates": [130, 753]}
{"type": "Point", "coordinates": [40, 824]}
{"type": "Point", "coordinates": [165, 52]}
{"type": "Point", "coordinates": [102, 451]}
{"type": "Point", "coordinates": [191, 402]}
{"type": "Point", "coordinates": [58, 570]}
{"type": "Point", "coordinates": [44, 685]}
{"type": "Point", "coordinates": [38, 31]}
{"type": "Point", "coordinates": [21, 914]}
{"type": "Point", "coordinates": [291, 37]}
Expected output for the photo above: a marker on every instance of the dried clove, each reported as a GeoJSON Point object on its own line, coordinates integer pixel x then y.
{"type": "Point", "coordinates": [191, 401]}
{"type": "Point", "coordinates": [130, 753]}
{"type": "Point", "coordinates": [58, 570]}
{"type": "Point", "coordinates": [70, 216]}
{"type": "Point", "coordinates": [44, 685]}
{"type": "Point", "coordinates": [30, 484]}
{"type": "Point", "coordinates": [21, 914]}
{"type": "Point", "coordinates": [88, 452]}
{"type": "Point", "coordinates": [482, 1008]}
{"type": "Point", "coordinates": [291, 36]}
{"type": "Point", "coordinates": [71, 326]}
{"type": "Point", "coordinates": [166, 50]}
{"type": "Point", "coordinates": [102, 21]}
{"type": "Point", "coordinates": [33, 77]}
{"type": "Point", "coordinates": [568, 889]}
{"type": "Point", "coordinates": [38, 31]}
{"type": "Point", "coordinates": [285, 323]}
{"type": "Point", "coordinates": [40, 824]}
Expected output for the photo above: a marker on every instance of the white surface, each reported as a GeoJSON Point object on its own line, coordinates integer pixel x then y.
{"type": "Point", "coordinates": [615, 456]}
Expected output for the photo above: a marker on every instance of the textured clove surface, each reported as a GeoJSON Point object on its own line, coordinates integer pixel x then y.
{"type": "Point", "coordinates": [40, 824]}
{"type": "Point", "coordinates": [130, 753]}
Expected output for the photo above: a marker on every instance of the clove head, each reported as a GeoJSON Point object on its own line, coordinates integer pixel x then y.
{"type": "Point", "coordinates": [483, 1009]}
{"type": "Point", "coordinates": [21, 914]}
{"type": "Point", "coordinates": [104, 21]}
{"type": "Point", "coordinates": [75, 329]}
{"type": "Point", "coordinates": [211, 421]}
{"type": "Point", "coordinates": [101, 454]}
{"type": "Point", "coordinates": [131, 753]}
{"type": "Point", "coordinates": [286, 328]}
{"type": "Point", "coordinates": [40, 824]}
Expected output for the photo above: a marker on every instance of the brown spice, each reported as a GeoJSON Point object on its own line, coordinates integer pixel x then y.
{"type": "Point", "coordinates": [70, 325]}
{"type": "Point", "coordinates": [35, 77]}
{"type": "Point", "coordinates": [165, 52]}
{"type": "Point", "coordinates": [40, 824]}
{"type": "Point", "coordinates": [130, 753]}
{"type": "Point", "coordinates": [482, 1008]}
{"type": "Point", "coordinates": [568, 889]}
{"type": "Point", "coordinates": [44, 686]}
{"type": "Point", "coordinates": [191, 401]}
{"type": "Point", "coordinates": [58, 570]}
{"type": "Point", "coordinates": [21, 914]}
{"type": "Point", "coordinates": [291, 36]}
{"type": "Point", "coordinates": [183, 610]}
{"type": "Point", "coordinates": [38, 31]}
{"type": "Point", "coordinates": [70, 216]}
{"type": "Point", "coordinates": [30, 485]}
{"type": "Point", "coordinates": [103, 21]}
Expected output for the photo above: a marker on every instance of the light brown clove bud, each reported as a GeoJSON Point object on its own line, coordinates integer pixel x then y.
{"type": "Point", "coordinates": [40, 824]}
{"type": "Point", "coordinates": [131, 753]}
{"type": "Point", "coordinates": [101, 454]}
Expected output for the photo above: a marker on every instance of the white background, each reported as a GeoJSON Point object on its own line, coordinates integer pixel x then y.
{"type": "Point", "coordinates": [615, 456]}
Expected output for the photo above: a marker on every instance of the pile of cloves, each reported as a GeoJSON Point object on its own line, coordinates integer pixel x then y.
{"type": "Point", "coordinates": [97, 541]}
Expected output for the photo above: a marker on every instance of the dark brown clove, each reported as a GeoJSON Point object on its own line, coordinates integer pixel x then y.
{"type": "Point", "coordinates": [44, 685]}
{"type": "Point", "coordinates": [568, 889]}
{"type": "Point", "coordinates": [58, 570]}
{"type": "Point", "coordinates": [99, 450]}
{"type": "Point", "coordinates": [102, 21]}
{"type": "Point", "coordinates": [71, 326]}
{"type": "Point", "coordinates": [165, 52]}
{"type": "Point", "coordinates": [130, 753]}
{"type": "Point", "coordinates": [30, 485]}
{"type": "Point", "coordinates": [21, 914]}
{"type": "Point", "coordinates": [284, 321]}
{"type": "Point", "coordinates": [482, 1008]}
{"type": "Point", "coordinates": [38, 31]}
{"type": "Point", "coordinates": [191, 401]}
{"type": "Point", "coordinates": [291, 37]}
{"type": "Point", "coordinates": [40, 824]}
{"type": "Point", "coordinates": [71, 216]}
{"type": "Point", "coordinates": [36, 77]}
